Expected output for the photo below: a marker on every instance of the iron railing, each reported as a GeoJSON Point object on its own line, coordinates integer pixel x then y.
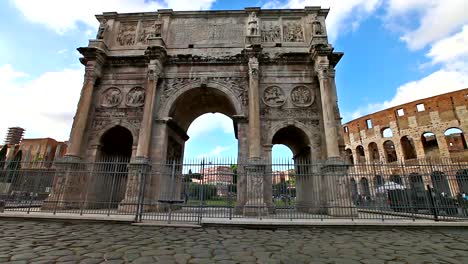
{"type": "Point", "coordinates": [194, 190]}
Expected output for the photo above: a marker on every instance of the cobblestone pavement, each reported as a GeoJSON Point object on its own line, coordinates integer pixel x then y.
{"type": "Point", "coordinates": [56, 242]}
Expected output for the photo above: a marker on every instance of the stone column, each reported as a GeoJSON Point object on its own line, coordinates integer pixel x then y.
{"type": "Point", "coordinates": [334, 172]}
{"type": "Point", "coordinates": [419, 148]}
{"type": "Point", "coordinates": [442, 144]}
{"type": "Point", "coordinates": [255, 170]}
{"type": "Point", "coordinates": [144, 137]}
{"type": "Point", "coordinates": [254, 109]}
{"type": "Point", "coordinates": [139, 175]}
{"type": "Point", "coordinates": [327, 98]}
{"type": "Point", "coordinates": [94, 64]}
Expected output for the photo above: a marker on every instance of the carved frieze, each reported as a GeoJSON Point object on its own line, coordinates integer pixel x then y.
{"type": "Point", "coordinates": [127, 34]}
{"type": "Point", "coordinates": [271, 31]}
{"type": "Point", "coordinates": [111, 97]}
{"type": "Point", "coordinates": [135, 97]}
{"type": "Point", "coordinates": [235, 84]}
{"type": "Point", "coordinates": [145, 31]}
{"type": "Point", "coordinates": [104, 116]}
{"type": "Point", "coordinates": [292, 32]}
{"type": "Point", "coordinates": [302, 96]}
{"type": "Point", "coordinates": [275, 113]}
{"type": "Point", "coordinates": [273, 96]}
{"type": "Point", "coordinates": [170, 86]}
{"type": "Point", "coordinates": [184, 59]}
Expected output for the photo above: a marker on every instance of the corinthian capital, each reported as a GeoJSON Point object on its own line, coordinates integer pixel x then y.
{"type": "Point", "coordinates": [92, 71]}
{"type": "Point", "coordinates": [322, 67]}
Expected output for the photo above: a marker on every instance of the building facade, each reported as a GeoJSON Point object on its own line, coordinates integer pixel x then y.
{"type": "Point", "coordinates": [414, 145]}
{"type": "Point", "coordinates": [429, 128]}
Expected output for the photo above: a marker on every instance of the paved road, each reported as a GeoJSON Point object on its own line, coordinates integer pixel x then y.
{"type": "Point", "coordinates": [55, 242]}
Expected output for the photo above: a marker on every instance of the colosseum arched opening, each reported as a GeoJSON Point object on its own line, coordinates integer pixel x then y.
{"type": "Point", "coordinates": [360, 156]}
{"type": "Point", "coordinates": [387, 132]}
{"type": "Point", "coordinates": [374, 152]}
{"type": "Point", "coordinates": [389, 151]}
{"type": "Point", "coordinates": [430, 145]}
{"type": "Point", "coordinates": [349, 156]}
{"type": "Point", "coordinates": [456, 143]}
{"type": "Point", "coordinates": [407, 145]}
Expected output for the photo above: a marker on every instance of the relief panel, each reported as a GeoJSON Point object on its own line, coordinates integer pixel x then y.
{"type": "Point", "coordinates": [111, 97]}
{"type": "Point", "coordinates": [293, 31]}
{"type": "Point", "coordinates": [271, 31]}
{"type": "Point", "coordinates": [146, 29]}
{"type": "Point", "coordinates": [273, 96]}
{"type": "Point", "coordinates": [127, 34]}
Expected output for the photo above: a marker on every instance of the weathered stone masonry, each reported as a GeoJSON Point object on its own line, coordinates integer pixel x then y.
{"type": "Point", "coordinates": [408, 126]}
{"type": "Point", "coordinates": [149, 75]}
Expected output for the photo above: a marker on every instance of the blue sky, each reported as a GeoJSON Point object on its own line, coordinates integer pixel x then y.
{"type": "Point", "coordinates": [396, 51]}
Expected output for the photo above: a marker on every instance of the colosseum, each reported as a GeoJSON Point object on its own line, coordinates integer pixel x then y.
{"type": "Point", "coordinates": [418, 145]}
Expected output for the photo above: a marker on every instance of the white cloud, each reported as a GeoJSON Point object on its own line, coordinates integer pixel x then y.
{"type": "Point", "coordinates": [437, 19]}
{"type": "Point", "coordinates": [62, 51]}
{"type": "Point", "coordinates": [215, 152]}
{"type": "Point", "coordinates": [63, 16]}
{"type": "Point", "coordinates": [345, 15]}
{"type": "Point", "coordinates": [439, 82]}
{"type": "Point", "coordinates": [9, 75]}
{"type": "Point", "coordinates": [452, 49]}
{"type": "Point", "coordinates": [44, 106]}
{"type": "Point", "coordinates": [210, 122]}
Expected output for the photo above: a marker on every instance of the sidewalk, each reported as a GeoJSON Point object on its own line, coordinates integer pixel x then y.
{"type": "Point", "coordinates": [239, 222]}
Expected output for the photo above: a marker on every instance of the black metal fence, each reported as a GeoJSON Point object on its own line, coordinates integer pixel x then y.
{"type": "Point", "coordinates": [200, 189]}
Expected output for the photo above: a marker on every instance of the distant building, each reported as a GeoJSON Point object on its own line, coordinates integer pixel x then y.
{"type": "Point", "coordinates": [42, 149]}
{"type": "Point", "coordinates": [221, 176]}
{"type": "Point", "coordinates": [280, 176]}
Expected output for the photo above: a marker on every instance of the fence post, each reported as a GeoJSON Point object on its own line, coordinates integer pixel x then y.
{"type": "Point", "coordinates": [431, 200]}
{"type": "Point", "coordinates": [201, 191]}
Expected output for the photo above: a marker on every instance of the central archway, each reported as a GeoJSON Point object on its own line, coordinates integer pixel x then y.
{"type": "Point", "coordinates": [185, 176]}
{"type": "Point", "coordinates": [191, 105]}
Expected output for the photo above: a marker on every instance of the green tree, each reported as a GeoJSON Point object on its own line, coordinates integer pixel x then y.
{"type": "Point", "coordinates": [195, 189]}
{"type": "Point", "coordinates": [234, 173]}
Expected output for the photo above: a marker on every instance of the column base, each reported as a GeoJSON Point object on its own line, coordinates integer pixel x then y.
{"type": "Point", "coordinates": [255, 209]}
{"type": "Point", "coordinates": [339, 210]}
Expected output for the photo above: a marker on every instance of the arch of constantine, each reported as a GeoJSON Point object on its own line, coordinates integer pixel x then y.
{"type": "Point", "coordinates": [149, 75]}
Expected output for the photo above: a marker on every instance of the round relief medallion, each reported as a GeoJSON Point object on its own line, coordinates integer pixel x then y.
{"type": "Point", "coordinates": [111, 97]}
{"type": "Point", "coordinates": [273, 96]}
{"type": "Point", "coordinates": [135, 97]}
{"type": "Point", "coordinates": [302, 96]}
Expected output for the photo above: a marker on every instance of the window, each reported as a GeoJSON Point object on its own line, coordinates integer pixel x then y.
{"type": "Point", "coordinates": [400, 112]}
{"type": "Point", "coordinates": [346, 129]}
{"type": "Point", "coordinates": [420, 107]}
{"type": "Point", "coordinates": [369, 123]}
